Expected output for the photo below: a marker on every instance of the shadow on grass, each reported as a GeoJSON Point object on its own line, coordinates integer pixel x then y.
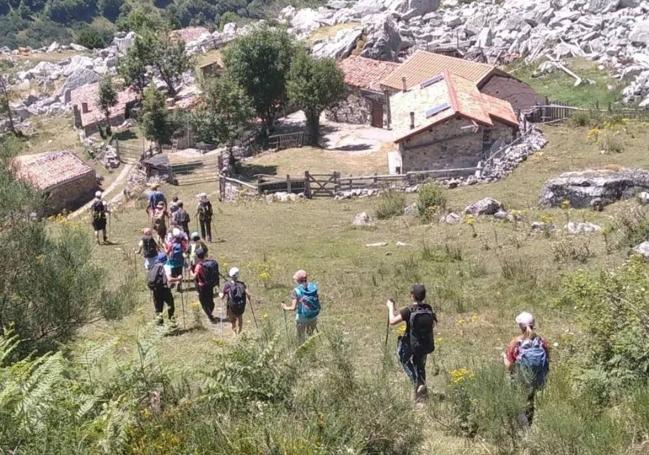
{"type": "Point", "coordinates": [249, 171]}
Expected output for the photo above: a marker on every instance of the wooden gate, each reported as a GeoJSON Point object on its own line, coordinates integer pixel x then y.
{"type": "Point", "coordinates": [321, 184]}
{"type": "Point", "coordinates": [377, 114]}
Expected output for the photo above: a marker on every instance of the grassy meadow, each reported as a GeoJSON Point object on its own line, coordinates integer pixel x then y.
{"type": "Point", "coordinates": [479, 276]}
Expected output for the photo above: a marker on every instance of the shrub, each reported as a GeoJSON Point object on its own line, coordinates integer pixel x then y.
{"type": "Point", "coordinates": [633, 227]}
{"type": "Point", "coordinates": [518, 269]}
{"type": "Point", "coordinates": [430, 200]}
{"type": "Point", "coordinates": [391, 204]}
{"type": "Point", "coordinates": [611, 141]}
{"type": "Point", "coordinates": [580, 118]}
{"type": "Point", "coordinates": [572, 250]}
{"type": "Point", "coordinates": [93, 37]}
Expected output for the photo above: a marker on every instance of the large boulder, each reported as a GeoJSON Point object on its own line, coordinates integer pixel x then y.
{"type": "Point", "coordinates": [412, 8]}
{"type": "Point", "coordinates": [640, 33]}
{"type": "Point", "coordinates": [340, 46]}
{"type": "Point", "coordinates": [583, 187]}
{"type": "Point", "coordinates": [642, 249]}
{"type": "Point", "coordinates": [306, 20]}
{"type": "Point", "coordinates": [124, 42]}
{"type": "Point", "coordinates": [602, 6]}
{"type": "Point", "coordinates": [486, 206]}
{"type": "Point", "coordinates": [383, 39]}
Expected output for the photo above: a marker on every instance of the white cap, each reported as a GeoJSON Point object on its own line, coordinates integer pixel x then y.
{"type": "Point", "coordinates": [234, 272]}
{"type": "Point", "coordinates": [98, 194]}
{"type": "Point", "coordinates": [525, 319]}
{"type": "Point", "coordinates": [175, 232]}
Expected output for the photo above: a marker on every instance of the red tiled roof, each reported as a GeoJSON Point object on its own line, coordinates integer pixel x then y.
{"type": "Point", "coordinates": [47, 170]}
{"type": "Point", "coordinates": [461, 97]}
{"type": "Point", "coordinates": [189, 34]}
{"type": "Point", "coordinates": [364, 72]}
{"type": "Point", "coordinates": [423, 65]}
{"type": "Point", "coordinates": [89, 94]}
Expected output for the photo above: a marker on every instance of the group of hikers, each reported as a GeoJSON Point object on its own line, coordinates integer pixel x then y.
{"type": "Point", "coordinates": [170, 254]}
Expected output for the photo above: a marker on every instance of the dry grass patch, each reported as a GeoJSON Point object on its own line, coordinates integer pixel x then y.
{"type": "Point", "coordinates": [330, 31]}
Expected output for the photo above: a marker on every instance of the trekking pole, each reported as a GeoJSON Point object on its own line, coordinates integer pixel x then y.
{"type": "Point", "coordinates": [387, 332]}
{"type": "Point", "coordinates": [285, 321]}
{"type": "Point", "coordinates": [182, 303]}
{"type": "Point", "coordinates": [254, 318]}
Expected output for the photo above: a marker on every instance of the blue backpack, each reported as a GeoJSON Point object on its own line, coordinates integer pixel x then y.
{"type": "Point", "coordinates": [532, 362]}
{"type": "Point", "coordinates": [176, 258]}
{"type": "Point", "coordinates": [308, 306]}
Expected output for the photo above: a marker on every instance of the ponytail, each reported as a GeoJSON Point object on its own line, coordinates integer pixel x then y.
{"type": "Point", "coordinates": [529, 333]}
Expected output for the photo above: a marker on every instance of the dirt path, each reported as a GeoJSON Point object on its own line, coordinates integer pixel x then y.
{"type": "Point", "coordinates": [117, 184]}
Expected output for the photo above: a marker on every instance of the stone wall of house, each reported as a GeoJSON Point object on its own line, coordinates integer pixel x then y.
{"type": "Point", "coordinates": [71, 195]}
{"type": "Point", "coordinates": [354, 109]}
{"type": "Point", "coordinates": [520, 95]}
{"type": "Point", "coordinates": [93, 128]}
{"type": "Point", "coordinates": [449, 145]}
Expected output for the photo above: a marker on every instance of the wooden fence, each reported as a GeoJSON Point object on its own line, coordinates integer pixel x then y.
{"type": "Point", "coordinates": [557, 111]}
{"type": "Point", "coordinates": [287, 140]}
{"type": "Point", "coordinates": [329, 185]}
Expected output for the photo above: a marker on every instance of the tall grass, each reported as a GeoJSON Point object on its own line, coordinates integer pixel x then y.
{"type": "Point", "coordinates": [390, 204]}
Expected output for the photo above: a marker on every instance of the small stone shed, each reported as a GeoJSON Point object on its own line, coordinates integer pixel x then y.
{"type": "Point", "coordinates": [63, 178]}
{"type": "Point", "coordinates": [446, 123]}
{"type": "Point", "coordinates": [89, 117]}
{"type": "Point", "coordinates": [366, 102]}
{"type": "Point", "coordinates": [488, 79]}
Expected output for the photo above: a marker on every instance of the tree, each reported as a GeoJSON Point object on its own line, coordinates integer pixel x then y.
{"type": "Point", "coordinates": [314, 85]}
{"type": "Point", "coordinates": [5, 98]}
{"type": "Point", "coordinates": [225, 114]}
{"type": "Point", "coordinates": [156, 123]}
{"type": "Point", "coordinates": [133, 67]}
{"type": "Point", "coordinates": [259, 62]}
{"type": "Point", "coordinates": [170, 59]}
{"type": "Point", "coordinates": [106, 99]}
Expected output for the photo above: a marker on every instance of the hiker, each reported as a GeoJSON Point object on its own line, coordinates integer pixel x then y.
{"type": "Point", "coordinates": [235, 293]}
{"type": "Point", "coordinates": [206, 277]}
{"type": "Point", "coordinates": [176, 249]}
{"type": "Point", "coordinates": [99, 210]}
{"type": "Point", "coordinates": [148, 247]}
{"type": "Point", "coordinates": [160, 284]}
{"type": "Point", "coordinates": [195, 244]}
{"type": "Point", "coordinates": [160, 217]}
{"type": "Point", "coordinates": [155, 198]}
{"type": "Point", "coordinates": [527, 359]}
{"type": "Point", "coordinates": [173, 209]}
{"type": "Point", "coordinates": [306, 304]}
{"type": "Point", "coordinates": [182, 217]}
{"type": "Point", "coordinates": [204, 215]}
{"type": "Point", "coordinates": [417, 341]}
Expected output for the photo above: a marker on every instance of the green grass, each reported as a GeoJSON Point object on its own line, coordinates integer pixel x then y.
{"type": "Point", "coordinates": [477, 284]}
{"type": "Point", "coordinates": [558, 86]}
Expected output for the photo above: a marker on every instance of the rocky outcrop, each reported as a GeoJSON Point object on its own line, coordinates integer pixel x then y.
{"type": "Point", "coordinates": [593, 187]}
{"type": "Point", "coordinates": [486, 206]}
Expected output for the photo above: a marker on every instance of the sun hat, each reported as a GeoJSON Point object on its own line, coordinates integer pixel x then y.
{"type": "Point", "coordinates": [195, 236]}
{"type": "Point", "coordinates": [98, 194]}
{"type": "Point", "coordinates": [525, 319]}
{"type": "Point", "coordinates": [299, 276]}
{"type": "Point", "coordinates": [176, 232]}
{"type": "Point", "coordinates": [234, 272]}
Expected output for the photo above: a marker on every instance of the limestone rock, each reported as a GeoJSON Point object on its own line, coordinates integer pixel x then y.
{"type": "Point", "coordinates": [486, 206]}
{"type": "Point", "coordinates": [55, 46]}
{"type": "Point", "coordinates": [383, 39]}
{"type": "Point", "coordinates": [77, 79]}
{"type": "Point", "coordinates": [340, 46]}
{"type": "Point", "coordinates": [643, 197]}
{"type": "Point", "coordinates": [583, 187]}
{"type": "Point", "coordinates": [450, 218]}
{"type": "Point", "coordinates": [582, 228]}
{"type": "Point", "coordinates": [362, 219]}
{"type": "Point", "coordinates": [640, 33]}
{"type": "Point", "coordinates": [602, 6]}
{"type": "Point", "coordinates": [411, 210]}
{"type": "Point", "coordinates": [642, 249]}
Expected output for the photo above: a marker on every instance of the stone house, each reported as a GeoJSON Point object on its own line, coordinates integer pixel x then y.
{"type": "Point", "coordinates": [62, 177]}
{"type": "Point", "coordinates": [446, 123]}
{"type": "Point", "coordinates": [89, 117]}
{"type": "Point", "coordinates": [488, 79]}
{"type": "Point", "coordinates": [366, 102]}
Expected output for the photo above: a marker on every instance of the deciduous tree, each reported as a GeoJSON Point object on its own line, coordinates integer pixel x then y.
{"type": "Point", "coordinates": [314, 85]}
{"type": "Point", "coordinates": [107, 98]}
{"type": "Point", "coordinates": [156, 123]}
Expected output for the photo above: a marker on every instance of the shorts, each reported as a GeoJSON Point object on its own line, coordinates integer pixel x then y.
{"type": "Point", "coordinates": [99, 225]}
{"type": "Point", "coordinates": [232, 316]}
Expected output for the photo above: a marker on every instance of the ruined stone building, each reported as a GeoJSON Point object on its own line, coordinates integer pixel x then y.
{"type": "Point", "coordinates": [89, 117]}
{"type": "Point", "coordinates": [446, 123]}
{"type": "Point", "coordinates": [62, 177]}
{"type": "Point", "coordinates": [366, 102]}
{"type": "Point", "coordinates": [488, 79]}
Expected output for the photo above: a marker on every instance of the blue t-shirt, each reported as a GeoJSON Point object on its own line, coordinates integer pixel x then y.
{"type": "Point", "coordinates": [155, 197]}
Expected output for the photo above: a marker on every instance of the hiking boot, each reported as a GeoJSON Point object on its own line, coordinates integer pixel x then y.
{"type": "Point", "coordinates": [172, 323]}
{"type": "Point", "coordinates": [213, 319]}
{"type": "Point", "coordinates": [421, 393]}
{"type": "Point", "coordinates": [159, 320]}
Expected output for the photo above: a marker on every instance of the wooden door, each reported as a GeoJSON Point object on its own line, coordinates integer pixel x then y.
{"type": "Point", "coordinates": [377, 114]}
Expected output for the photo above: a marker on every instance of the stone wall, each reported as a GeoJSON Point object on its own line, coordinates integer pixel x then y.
{"type": "Point", "coordinates": [71, 195]}
{"type": "Point", "coordinates": [520, 95]}
{"type": "Point", "coordinates": [357, 108]}
{"type": "Point", "coordinates": [449, 145]}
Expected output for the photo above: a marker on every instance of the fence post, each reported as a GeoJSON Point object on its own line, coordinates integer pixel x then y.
{"type": "Point", "coordinates": [307, 185]}
{"type": "Point", "coordinates": [288, 183]}
{"type": "Point", "coordinates": [221, 188]}
{"type": "Point", "coordinates": [336, 182]}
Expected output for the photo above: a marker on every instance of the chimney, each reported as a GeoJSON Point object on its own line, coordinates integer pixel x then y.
{"type": "Point", "coordinates": [412, 120]}
{"type": "Point", "coordinates": [403, 83]}
{"type": "Point", "coordinates": [84, 108]}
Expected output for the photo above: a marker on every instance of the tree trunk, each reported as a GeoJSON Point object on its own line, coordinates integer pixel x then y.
{"type": "Point", "coordinates": [313, 127]}
{"type": "Point", "coordinates": [4, 92]}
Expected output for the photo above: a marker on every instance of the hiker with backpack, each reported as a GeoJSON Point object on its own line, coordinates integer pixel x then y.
{"type": "Point", "coordinates": [182, 218]}
{"type": "Point", "coordinates": [206, 277]}
{"type": "Point", "coordinates": [204, 215]}
{"type": "Point", "coordinates": [160, 217]}
{"type": "Point", "coordinates": [236, 295]}
{"type": "Point", "coordinates": [417, 342]}
{"type": "Point", "coordinates": [160, 283]}
{"type": "Point", "coordinates": [527, 360]}
{"type": "Point", "coordinates": [194, 245]}
{"type": "Point", "coordinates": [148, 247]}
{"type": "Point", "coordinates": [99, 210]}
{"type": "Point", "coordinates": [155, 198]}
{"type": "Point", "coordinates": [306, 304]}
{"type": "Point", "coordinates": [176, 249]}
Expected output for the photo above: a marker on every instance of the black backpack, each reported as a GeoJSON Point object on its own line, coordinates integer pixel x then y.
{"type": "Point", "coordinates": [149, 247]}
{"type": "Point", "coordinates": [204, 210]}
{"type": "Point", "coordinates": [98, 210]}
{"type": "Point", "coordinates": [237, 297]}
{"type": "Point", "coordinates": [422, 321]}
{"type": "Point", "coordinates": [156, 278]}
{"type": "Point", "coordinates": [211, 273]}
{"type": "Point", "coordinates": [182, 217]}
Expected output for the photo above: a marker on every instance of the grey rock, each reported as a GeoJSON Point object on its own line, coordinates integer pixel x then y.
{"type": "Point", "coordinates": [501, 215]}
{"type": "Point", "coordinates": [642, 249]}
{"type": "Point", "coordinates": [602, 186]}
{"type": "Point", "coordinates": [78, 47]}
{"type": "Point", "coordinates": [451, 218]}
{"type": "Point", "coordinates": [582, 228]}
{"type": "Point", "coordinates": [340, 46]}
{"type": "Point", "coordinates": [383, 40]}
{"type": "Point", "coordinates": [77, 79]}
{"type": "Point", "coordinates": [643, 197]}
{"type": "Point", "coordinates": [411, 210]}
{"type": "Point", "coordinates": [640, 33]}
{"type": "Point", "coordinates": [602, 6]}
{"type": "Point", "coordinates": [486, 206]}
{"type": "Point", "coordinates": [124, 42]}
{"type": "Point", "coordinates": [362, 219]}
{"type": "Point", "coordinates": [55, 46]}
